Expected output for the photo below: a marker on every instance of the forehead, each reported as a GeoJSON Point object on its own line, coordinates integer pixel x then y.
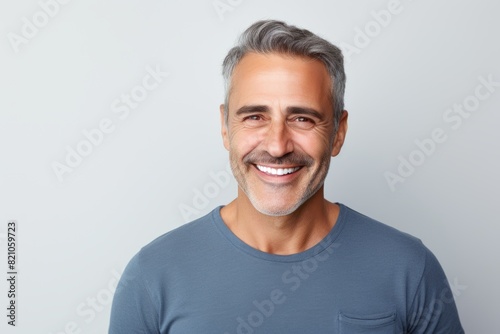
{"type": "Point", "coordinates": [278, 78]}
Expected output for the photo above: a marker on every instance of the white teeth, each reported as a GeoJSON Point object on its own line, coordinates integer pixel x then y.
{"type": "Point", "coordinates": [277, 171]}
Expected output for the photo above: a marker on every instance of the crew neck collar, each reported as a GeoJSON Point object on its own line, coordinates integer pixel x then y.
{"type": "Point", "coordinates": [326, 242]}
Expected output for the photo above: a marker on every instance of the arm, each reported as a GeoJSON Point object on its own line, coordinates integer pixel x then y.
{"type": "Point", "coordinates": [433, 309]}
{"type": "Point", "coordinates": [133, 310]}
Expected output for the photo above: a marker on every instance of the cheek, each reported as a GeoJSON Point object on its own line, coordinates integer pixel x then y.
{"type": "Point", "coordinates": [315, 143]}
{"type": "Point", "coordinates": [244, 140]}
{"type": "Point", "coordinates": [324, 138]}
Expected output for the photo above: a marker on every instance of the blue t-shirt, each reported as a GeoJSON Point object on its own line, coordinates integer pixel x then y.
{"type": "Point", "coordinates": [363, 277]}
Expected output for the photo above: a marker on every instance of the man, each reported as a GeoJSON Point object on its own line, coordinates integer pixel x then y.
{"type": "Point", "coordinates": [280, 258]}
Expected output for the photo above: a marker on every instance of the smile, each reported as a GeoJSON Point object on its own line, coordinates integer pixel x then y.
{"type": "Point", "coordinates": [277, 171]}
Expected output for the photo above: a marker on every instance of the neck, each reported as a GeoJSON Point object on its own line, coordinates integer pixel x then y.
{"type": "Point", "coordinates": [283, 235]}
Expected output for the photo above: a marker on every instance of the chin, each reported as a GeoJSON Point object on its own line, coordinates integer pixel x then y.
{"type": "Point", "coordinates": [275, 209]}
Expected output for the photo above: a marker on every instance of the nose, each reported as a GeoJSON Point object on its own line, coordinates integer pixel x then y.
{"type": "Point", "coordinates": [278, 140]}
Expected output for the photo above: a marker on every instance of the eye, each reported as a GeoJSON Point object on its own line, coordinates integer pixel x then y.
{"type": "Point", "coordinates": [253, 121]}
{"type": "Point", "coordinates": [252, 118]}
{"type": "Point", "coordinates": [301, 122]}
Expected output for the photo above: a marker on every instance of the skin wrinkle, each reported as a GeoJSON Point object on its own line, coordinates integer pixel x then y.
{"type": "Point", "coordinates": [280, 117]}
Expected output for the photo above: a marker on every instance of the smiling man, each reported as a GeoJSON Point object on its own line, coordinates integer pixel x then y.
{"type": "Point", "coordinates": [279, 130]}
{"type": "Point", "coordinates": [280, 258]}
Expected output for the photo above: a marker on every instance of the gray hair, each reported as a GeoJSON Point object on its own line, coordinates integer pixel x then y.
{"type": "Point", "coordinates": [269, 36]}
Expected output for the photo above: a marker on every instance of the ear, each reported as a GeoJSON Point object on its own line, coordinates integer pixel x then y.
{"type": "Point", "coordinates": [340, 135]}
{"type": "Point", "coordinates": [223, 127]}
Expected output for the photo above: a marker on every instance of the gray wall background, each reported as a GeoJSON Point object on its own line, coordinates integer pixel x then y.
{"type": "Point", "coordinates": [66, 71]}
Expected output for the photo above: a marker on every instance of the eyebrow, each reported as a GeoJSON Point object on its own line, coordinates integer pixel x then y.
{"type": "Point", "coordinates": [294, 110]}
{"type": "Point", "coordinates": [304, 111]}
{"type": "Point", "coordinates": [251, 109]}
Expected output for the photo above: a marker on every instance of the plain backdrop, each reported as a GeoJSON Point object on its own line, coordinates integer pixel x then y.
{"type": "Point", "coordinates": [68, 68]}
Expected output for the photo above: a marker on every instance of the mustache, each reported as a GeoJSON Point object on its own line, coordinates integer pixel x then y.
{"type": "Point", "coordinates": [291, 158]}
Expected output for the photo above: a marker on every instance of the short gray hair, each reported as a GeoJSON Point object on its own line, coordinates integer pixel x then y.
{"type": "Point", "coordinates": [270, 36]}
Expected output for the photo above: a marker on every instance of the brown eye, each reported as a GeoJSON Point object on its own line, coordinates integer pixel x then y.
{"type": "Point", "coordinates": [253, 121]}
{"type": "Point", "coordinates": [301, 122]}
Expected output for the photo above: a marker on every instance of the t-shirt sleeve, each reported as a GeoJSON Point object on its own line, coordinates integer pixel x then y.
{"type": "Point", "coordinates": [433, 309]}
{"type": "Point", "coordinates": [133, 311]}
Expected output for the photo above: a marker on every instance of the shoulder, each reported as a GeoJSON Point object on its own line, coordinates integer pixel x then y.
{"type": "Point", "coordinates": [381, 242]}
{"type": "Point", "coordinates": [140, 293]}
{"type": "Point", "coordinates": [177, 245]}
{"type": "Point", "coordinates": [387, 254]}
{"type": "Point", "coordinates": [367, 227]}
{"type": "Point", "coordinates": [185, 238]}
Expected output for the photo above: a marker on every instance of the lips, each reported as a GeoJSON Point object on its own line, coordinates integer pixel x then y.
{"type": "Point", "coordinates": [277, 171]}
